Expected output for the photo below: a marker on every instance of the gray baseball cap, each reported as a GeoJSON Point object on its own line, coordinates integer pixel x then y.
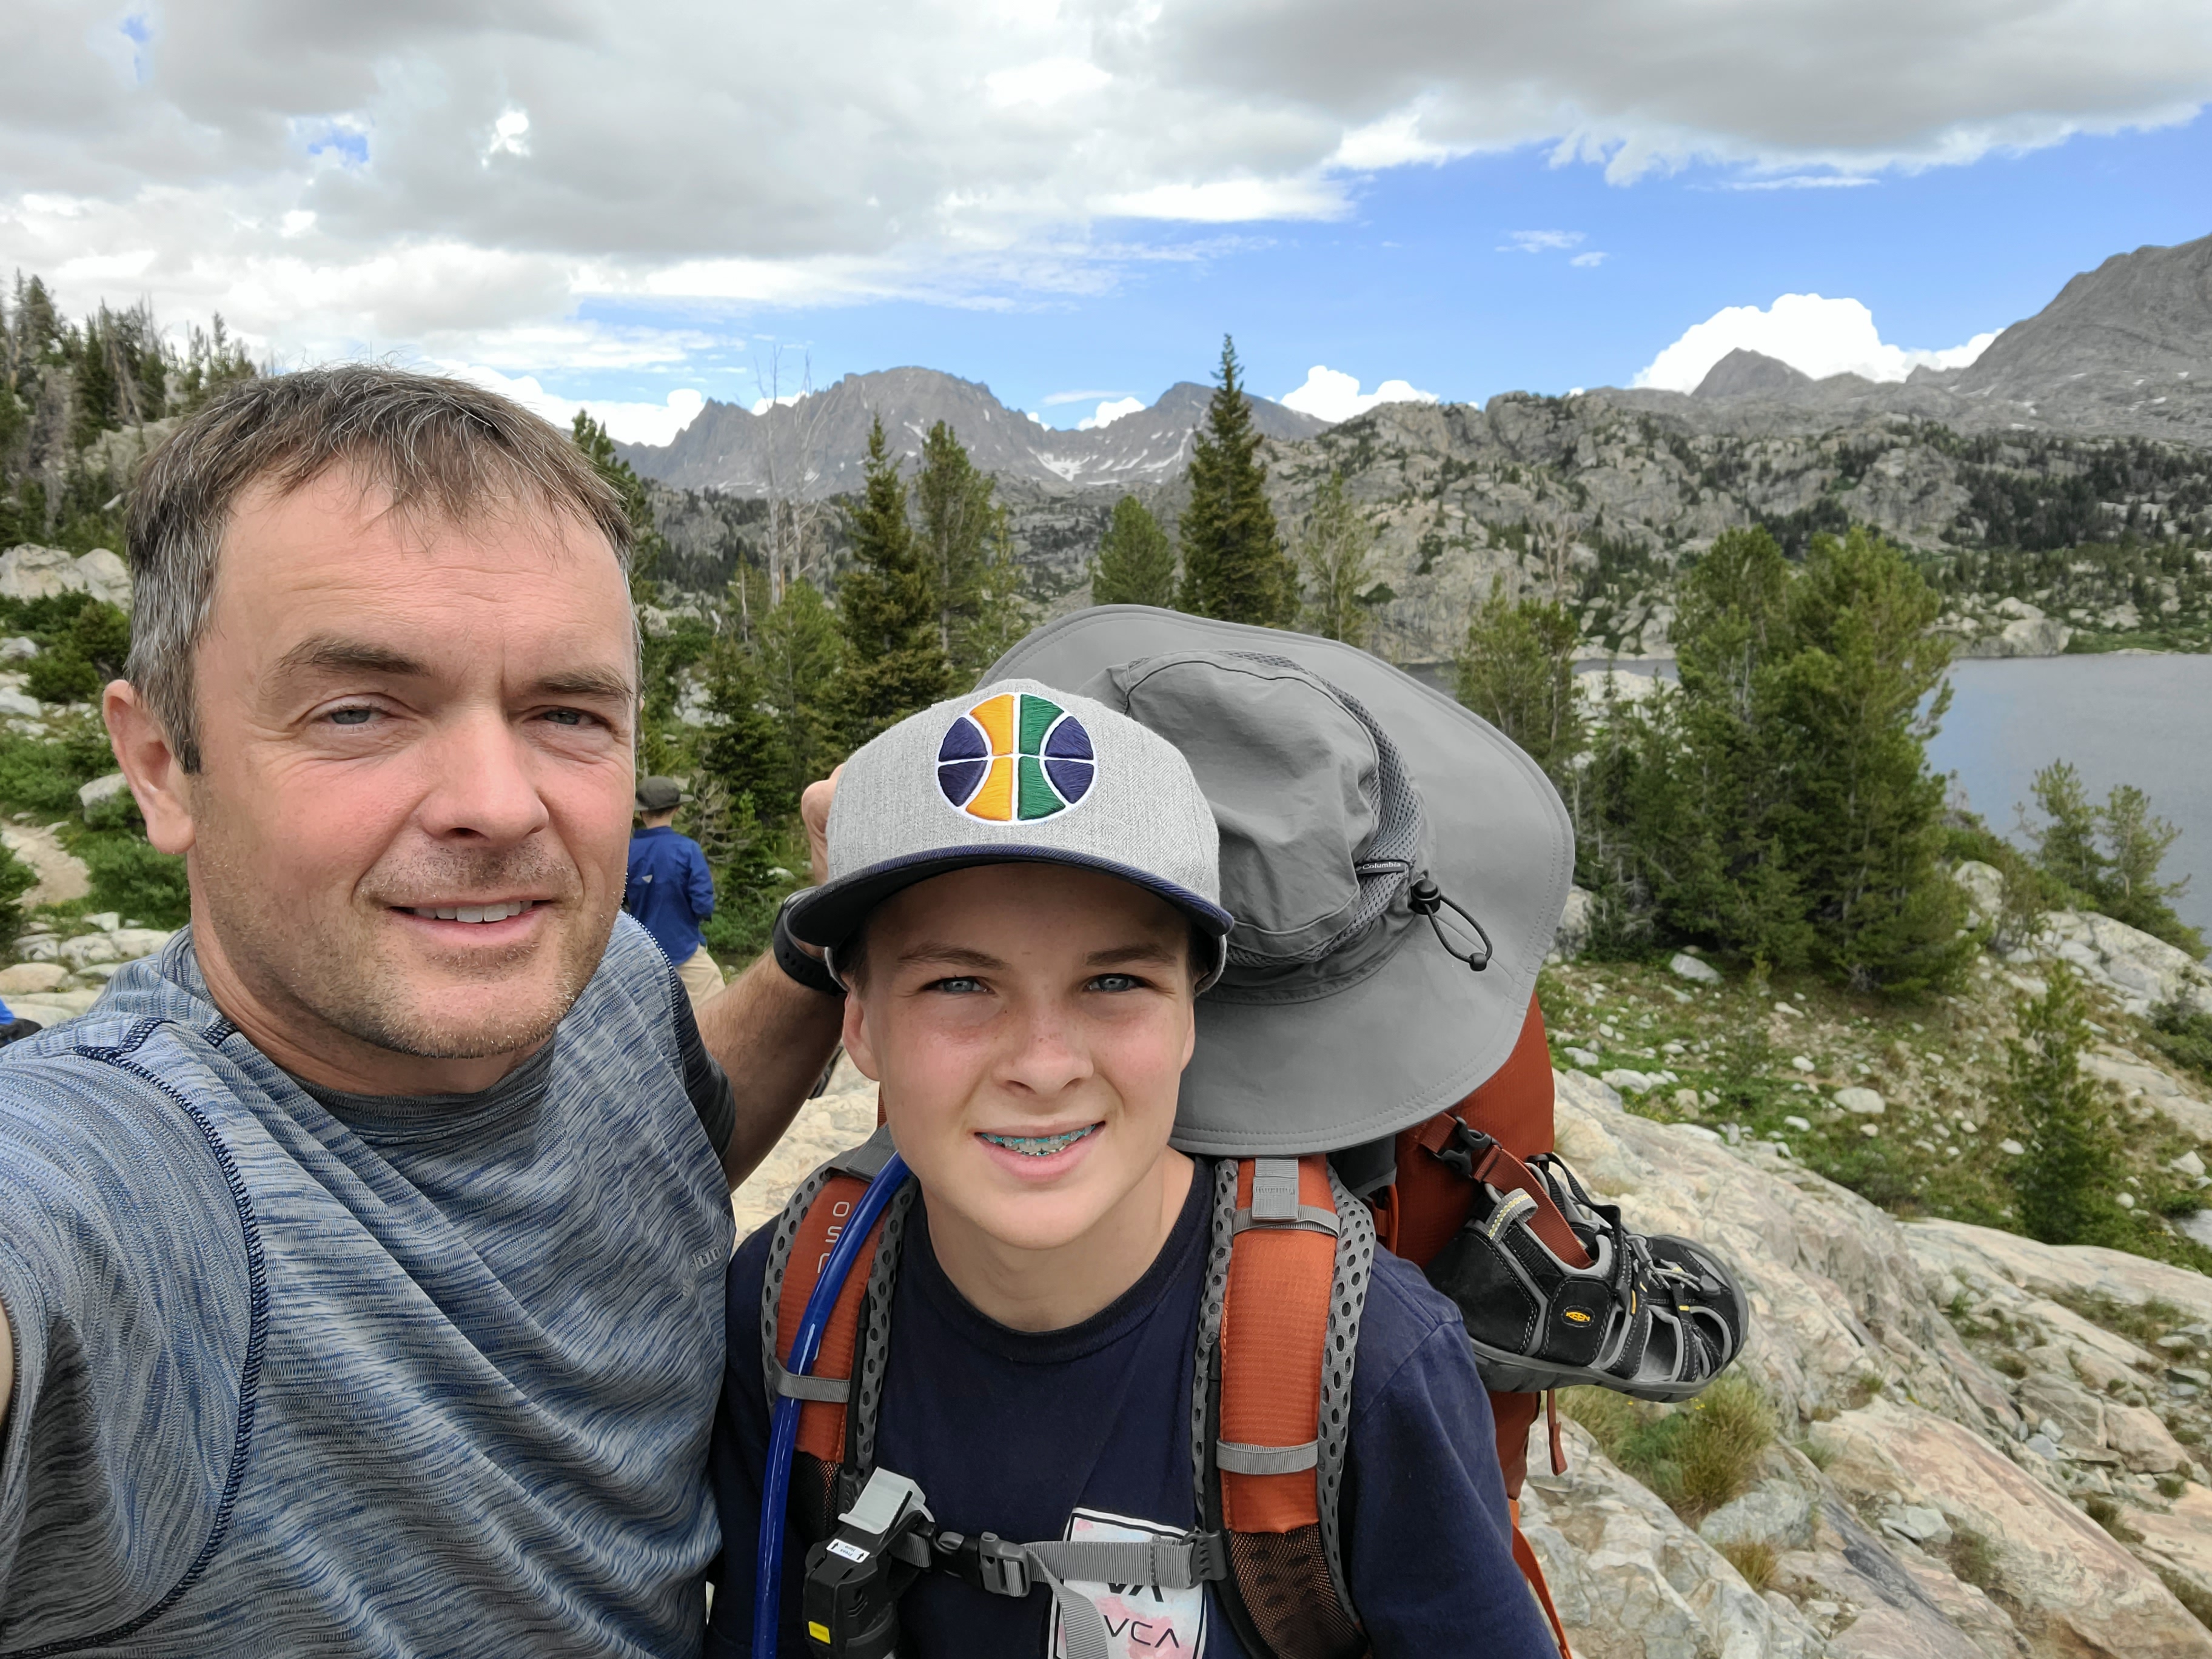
{"type": "Point", "coordinates": [1015, 773]}
{"type": "Point", "coordinates": [1348, 1011]}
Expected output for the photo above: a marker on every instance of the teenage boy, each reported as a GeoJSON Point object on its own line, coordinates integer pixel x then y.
{"type": "Point", "coordinates": [1023, 907]}
{"type": "Point", "coordinates": [671, 891]}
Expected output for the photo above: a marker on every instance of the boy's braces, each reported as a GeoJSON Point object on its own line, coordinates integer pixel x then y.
{"type": "Point", "coordinates": [1040, 1145]}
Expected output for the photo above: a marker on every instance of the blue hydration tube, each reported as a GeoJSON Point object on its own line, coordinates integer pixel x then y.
{"type": "Point", "coordinates": [783, 1431]}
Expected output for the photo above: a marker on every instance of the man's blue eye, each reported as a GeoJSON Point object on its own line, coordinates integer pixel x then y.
{"type": "Point", "coordinates": [351, 716]}
{"type": "Point", "coordinates": [566, 716]}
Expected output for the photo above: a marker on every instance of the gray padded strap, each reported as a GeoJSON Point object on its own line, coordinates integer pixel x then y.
{"type": "Point", "coordinates": [1274, 1189]}
{"type": "Point", "coordinates": [1304, 1219]}
{"type": "Point", "coordinates": [833, 1390]}
{"type": "Point", "coordinates": [867, 1159]}
{"type": "Point", "coordinates": [1240, 1459]}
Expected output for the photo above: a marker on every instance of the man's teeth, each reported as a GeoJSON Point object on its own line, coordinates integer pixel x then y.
{"type": "Point", "coordinates": [499, 912]}
{"type": "Point", "coordinates": [1040, 1145]}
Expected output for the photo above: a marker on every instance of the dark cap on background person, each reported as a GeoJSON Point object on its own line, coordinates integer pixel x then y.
{"type": "Point", "coordinates": [661, 795]}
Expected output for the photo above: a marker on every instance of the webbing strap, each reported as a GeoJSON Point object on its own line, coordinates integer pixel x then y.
{"type": "Point", "coordinates": [835, 1391]}
{"type": "Point", "coordinates": [1496, 1167]}
{"type": "Point", "coordinates": [1179, 1563]}
{"type": "Point", "coordinates": [1524, 1556]}
{"type": "Point", "coordinates": [1265, 1460]}
{"type": "Point", "coordinates": [1306, 1217]}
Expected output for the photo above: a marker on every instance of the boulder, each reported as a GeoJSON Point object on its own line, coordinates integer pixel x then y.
{"type": "Point", "coordinates": [18, 649]}
{"type": "Point", "coordinates": [87, 949]}
{"type": "Point", "coordinates": [1685, 966]}
{"type": "Point", "coordinates": [131, 943]}
{"type": "Point", "coordinates": [2028, 637]}
{"type": "Point", "coordinates": [101, 789]}
{"type": "Point", "coordinates": [2138, 969]}
{"type": "Point", "coordinates": [30, 572]}
{"type": "Point", "coordinates": [1631, 1580]}
{"type": "Point", "coordinates": [31, 977]}
{"type": "Point", "coordinates": [19, 702]}
{"type": "Point", "coordinates": [1863, 1101]}
{"type": "Point", "coordinates": [1983, 885]}
{"type": "Point", "coordinates": [1574, 931]}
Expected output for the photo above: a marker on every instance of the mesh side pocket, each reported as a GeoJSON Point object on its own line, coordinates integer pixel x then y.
{"type": "Point", "coordinates": [1283, 1580]}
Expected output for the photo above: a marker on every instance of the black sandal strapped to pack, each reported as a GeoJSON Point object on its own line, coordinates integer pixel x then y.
{"type": "Point", "coordinates": [1556, 1291]}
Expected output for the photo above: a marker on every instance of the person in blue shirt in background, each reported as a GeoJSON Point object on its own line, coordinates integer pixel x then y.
{"type": "Point", "coordinates": [669, 890]}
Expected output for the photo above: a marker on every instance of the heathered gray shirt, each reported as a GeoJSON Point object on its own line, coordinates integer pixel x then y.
{"type": "Point", "coordinates": [331, 1376]}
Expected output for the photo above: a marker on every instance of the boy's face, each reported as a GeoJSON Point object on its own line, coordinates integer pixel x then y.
{"type": "Point", "coordinates": [1029, 1024]}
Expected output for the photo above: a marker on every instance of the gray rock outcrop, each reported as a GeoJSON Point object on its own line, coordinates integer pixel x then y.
{"type": "Point", "coordinates": [31, 571]}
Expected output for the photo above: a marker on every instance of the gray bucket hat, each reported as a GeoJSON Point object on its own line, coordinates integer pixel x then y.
{"type": "Point", "coordinates": [1359, 810]}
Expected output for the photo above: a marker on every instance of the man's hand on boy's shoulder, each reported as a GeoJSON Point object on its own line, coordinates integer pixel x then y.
{"type": "Point", "coordinates": [814, 813]}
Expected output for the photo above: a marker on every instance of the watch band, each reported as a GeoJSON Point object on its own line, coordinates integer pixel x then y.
{"type": "Point", "coordinates": [809, 970]}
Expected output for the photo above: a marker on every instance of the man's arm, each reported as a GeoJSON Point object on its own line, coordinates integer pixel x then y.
{"type": "Point", "coordinates": [772, 1035]}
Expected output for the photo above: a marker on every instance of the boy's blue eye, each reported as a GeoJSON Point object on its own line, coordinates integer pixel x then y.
{"type": "Point", "coordinates": [1117, 982]}
{"type": "Point", "coordinates": [957, 986]}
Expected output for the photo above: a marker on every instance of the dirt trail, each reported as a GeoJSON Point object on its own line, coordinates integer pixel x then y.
{"type": "Point", "coordinates": [62, 874]}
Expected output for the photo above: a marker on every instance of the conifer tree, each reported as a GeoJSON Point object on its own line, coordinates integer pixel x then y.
{"type": "Point", "coordinates": [958, 515]}
{"type": "Point", "coordinates": [1003, 613]}
{"type": "Point", "coordinates": [2066, 1180]}
{"type": "Point", "coordinates": [1135, 565]}
{"type": "Point", "coordinates": [801, 655]}
{"type": "Point", "coordinates": [1517, 669]}
{"type": "Point", "coordinates": [1335, 549]}
{"type": "Point", "coordinates": [1861, 693]}
{"type": "Point", "coordinates": [1233, 563]}
{"type": "Point", "coordinates": [646, 543]}
{"type": "Point", "coordinates": [895, 658]}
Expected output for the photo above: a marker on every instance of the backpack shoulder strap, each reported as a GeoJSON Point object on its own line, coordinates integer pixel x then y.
{"type": "Point", "coordinates": [836, 1415]}
{"type": "Point", "coordinates": [1279, 1333]}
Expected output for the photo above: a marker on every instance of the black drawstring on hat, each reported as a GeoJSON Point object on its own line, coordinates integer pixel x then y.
{"type": "Point", "coordinates": [1427, 898]}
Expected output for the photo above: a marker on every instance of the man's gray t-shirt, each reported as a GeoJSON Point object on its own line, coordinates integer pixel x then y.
{"type": "Point", "coordinates": [323, 1376]}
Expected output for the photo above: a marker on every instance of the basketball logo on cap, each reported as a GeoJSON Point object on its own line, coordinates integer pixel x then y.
{"type": "Point", "coordinates": [1016, 756]}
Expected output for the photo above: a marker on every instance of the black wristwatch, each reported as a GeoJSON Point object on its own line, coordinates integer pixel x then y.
{"type": "Point", "coordinates": [808, 969]}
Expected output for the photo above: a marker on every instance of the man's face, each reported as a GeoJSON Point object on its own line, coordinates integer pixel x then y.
{"type": "Point", "coordinates": [1029, 1024]}
{"type": "Point", "coordinates": [407, 841]}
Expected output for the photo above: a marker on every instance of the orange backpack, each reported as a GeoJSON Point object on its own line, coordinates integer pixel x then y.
{"type": "Point", "coordinates": [1292, 1239]}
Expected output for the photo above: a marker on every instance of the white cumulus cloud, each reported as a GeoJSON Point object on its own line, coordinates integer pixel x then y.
{"type": "Point", "coordinates": [1330, 394]}
{"type": "Point", "coordinates": [630, 424]}
{"type": "Point", "coordinates": [1108, 413]}
{"type": "Point", "coordinates": [1814, 336]}
{"type": "Point", "coordinates": [361, 179]}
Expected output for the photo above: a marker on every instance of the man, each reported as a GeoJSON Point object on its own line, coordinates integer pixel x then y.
{"type": "Point", "coordinates": [362, 1254]}
{"type": "Point", "coordinates": [669, 890]}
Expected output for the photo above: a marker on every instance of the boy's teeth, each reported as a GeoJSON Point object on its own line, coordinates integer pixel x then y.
{"type": "Point", "coordinates": [499, 912]}
{"type": "Point", "coordinates": [1040, 1145]}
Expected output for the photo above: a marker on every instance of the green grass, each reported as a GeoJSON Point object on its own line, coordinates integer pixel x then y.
{"type": "Point", "coordinates": [1972, 1557]}
{"type": "Point", "coordinates": [1695, 1456]}
{"type": "Point", "coordinates": [1939, 1066]}
{"type": "Point", "coordinates": [1754, 1561]}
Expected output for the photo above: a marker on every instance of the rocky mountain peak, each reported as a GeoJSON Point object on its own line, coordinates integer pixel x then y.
{"type": "Point", "coordinates": [1745, 371]}
{"type": "Point", "coordinates": [818, 446]}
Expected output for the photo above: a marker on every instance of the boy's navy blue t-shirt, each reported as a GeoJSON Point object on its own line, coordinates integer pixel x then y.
{"type": "Point", "coordinates": [1044, 1435]}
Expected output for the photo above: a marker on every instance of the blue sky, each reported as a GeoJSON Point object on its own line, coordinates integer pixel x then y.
{"type": "Point", "coordinates": [1418, 284]}
{"type": "Point", "coordinates": [617, 201]}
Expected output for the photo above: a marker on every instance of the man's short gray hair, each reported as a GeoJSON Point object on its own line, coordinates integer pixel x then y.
{"type": "Point", "coordinates": [438, 448]}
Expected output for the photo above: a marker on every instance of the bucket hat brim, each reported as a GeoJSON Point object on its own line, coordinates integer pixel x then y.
{"type": "Point", "coordinates": [1419, 1033]}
